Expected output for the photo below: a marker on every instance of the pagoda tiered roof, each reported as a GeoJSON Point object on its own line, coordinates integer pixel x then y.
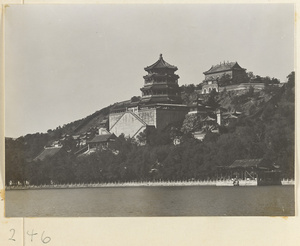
{"type": "Point", "coordinates": [160, 86]}
{"type": "Point", "coordinates": [161, 76]}
{"type": "Point", "coordinates": [163, 99]}
{"type": "Point", "coordinates": [160, 64]}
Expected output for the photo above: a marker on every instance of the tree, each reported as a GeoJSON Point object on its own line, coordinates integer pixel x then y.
{"type": "Point", "coordinates": [154, 137]}
{"type": "Point", "coordinates": [257, 79]}
{"type": "Point", "coordinates": [199, 86]}
{"type": "Point", "coordinates": [135, 99]}
{"type": "Point", "coordinates": [250, 92]}
{"type": "Point", "coordinates": [251, 77]}
{"type": "Point", "coordinates": [225, 80]}
{"type": "Point", "coordinates": [212, 101]}
{"type": "Point", "coordinates": [291, 80]}
{"type": "Point", "coordinates": [188, 88]}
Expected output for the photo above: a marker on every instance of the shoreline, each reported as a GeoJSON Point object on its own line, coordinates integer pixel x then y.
{"type": "Point", "coordinates": [136, 184]}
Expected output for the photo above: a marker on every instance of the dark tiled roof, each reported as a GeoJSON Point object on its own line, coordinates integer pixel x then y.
{"type": "Point", "coordinates": [196, 103]}
{"type": "Point", "coordinates": [247, 163]}
{"type": "Point", "coordinates": [160, 86]}
{"type": "Point", "coordinates": [232, 112]}
{"type": "Point", "coordinates": [48, 152]}
{"type": "Point", "coordinates": [223, 67]}
{"type": "Point", "coordinates": [208, 118]}
{"type": "Point", "coordinates": [161, 63]}
{"type": "Point", "coordinates": [146, 100]}
{"type": "Point", "coordinates": [102, 138]}
{"type": "Point", "coordinates": [230, 116]}
{"type": "Point", "coordinates": [161, 99]}
{"type": "Point", "coordinates": [155, 75]}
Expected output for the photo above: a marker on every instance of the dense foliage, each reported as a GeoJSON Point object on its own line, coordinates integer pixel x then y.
{"type": "Point", "coordinates": [249, 77]}
{"type": "Point", "coordinates": [267, 131]}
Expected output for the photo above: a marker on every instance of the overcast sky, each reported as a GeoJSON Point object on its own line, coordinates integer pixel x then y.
{"type": "Point", "coordinates": [64, 62]}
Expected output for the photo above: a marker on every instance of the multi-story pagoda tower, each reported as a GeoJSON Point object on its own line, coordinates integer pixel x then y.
{"type": "Point", "coordinates": [161, 84]}
{"type": "Point", "coordinates": [159, 107]}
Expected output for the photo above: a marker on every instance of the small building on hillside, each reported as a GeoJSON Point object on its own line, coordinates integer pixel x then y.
{"type": "Point", "coordinates": [253, 171]}
{"type": "Point", "coordinates": [208, 122]}
{"type": "Point", "coordinates": [230, 72]}
{"type": "Point", "coordinates": [102, 140]}
{"type": "Point", "coordinates": [230, 117]}
{"type": "Point", "coordinates": [204, 118]}
{"type": "Point", "coordinates": [199, 107]}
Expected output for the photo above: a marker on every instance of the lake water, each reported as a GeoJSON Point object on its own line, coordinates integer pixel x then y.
{"type": "Point", "coordinates": [152, 201]}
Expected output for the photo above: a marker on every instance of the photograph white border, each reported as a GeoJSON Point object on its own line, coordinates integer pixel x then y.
{"type": "Point", "coordinates": [148, 231]}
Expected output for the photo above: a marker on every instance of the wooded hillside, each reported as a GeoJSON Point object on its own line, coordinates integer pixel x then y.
{"type": "Point", "coordinates": [264, 130]}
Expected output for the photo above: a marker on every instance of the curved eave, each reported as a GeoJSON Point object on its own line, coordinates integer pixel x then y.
{"type": "Point", "coordinates": [152, 67]}
{"type": "Point", "coordinates": [239, 66]}
{"type": "Point", "coordinates": [161, 64]}
{"type": "Point", "coordinates": [225, 70]}
{"type": "Point", "coordinates": [175, 76]}
{"type": "Point", "coordinates": [208, 70]}
{"type": "Point", "coordinates": [158, 87]}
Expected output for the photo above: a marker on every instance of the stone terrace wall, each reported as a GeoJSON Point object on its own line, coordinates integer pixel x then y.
{"type": "Point", "coordinates": [113, 118]}
{"type": "Point", "coordinates": [166, 116]}
{"type": "Point", "coordinates": [128, 124]}
{"type": "Point", "coordinates": [148, 116]}
{"type": "Point", "coordinates": [243, 86]}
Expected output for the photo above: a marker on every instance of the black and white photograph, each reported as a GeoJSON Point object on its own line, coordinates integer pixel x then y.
{"type": "Point", "coordinates": [149, 110]}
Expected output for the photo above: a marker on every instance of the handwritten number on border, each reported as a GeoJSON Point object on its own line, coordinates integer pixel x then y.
{"type": "Point", "coordinates": [45, 239]}
{"type": "Point", "coordinates": [32, 234]}
{"type": "Point", "coordinates": [13, 234]}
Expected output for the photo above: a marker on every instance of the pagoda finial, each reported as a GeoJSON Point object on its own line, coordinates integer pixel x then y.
{"type": "Point", "coordinates": [160, 56]}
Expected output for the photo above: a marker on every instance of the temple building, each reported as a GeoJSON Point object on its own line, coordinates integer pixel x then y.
{"type": "Point", "coordinates": [230, 117]}
{"type": "Point", "coordinates": [161, 84]}
{"type": "Point", "coordinates": [249, 172]}
{"type": "Point", "coordinates": [203, 118]}
{"type": "Point", "coordinates": [225, 73]}
{"type": "Point", "coordinates": [159, 106]}
{"type": "Point", "coordinates": [102, 140]}
{"type": "Point", "coordinates": [198, 107]}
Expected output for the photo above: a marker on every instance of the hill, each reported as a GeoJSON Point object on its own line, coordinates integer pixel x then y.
{"type": "Point", "coordinates": [264, 129]}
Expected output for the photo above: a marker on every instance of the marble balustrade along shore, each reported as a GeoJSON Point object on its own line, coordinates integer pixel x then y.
{"type": "Point", "coordinates": [130, 184]}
